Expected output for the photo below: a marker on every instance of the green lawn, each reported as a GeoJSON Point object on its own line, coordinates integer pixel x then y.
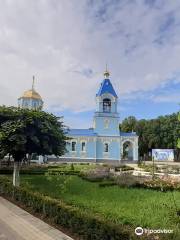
{"type": "Point", "coordinates": [137, 207]}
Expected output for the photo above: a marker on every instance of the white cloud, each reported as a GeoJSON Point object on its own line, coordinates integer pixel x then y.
{"type": "Point", "coordinates": [66, 45]}
{"type": "Point", "coordinates": [169, 98]}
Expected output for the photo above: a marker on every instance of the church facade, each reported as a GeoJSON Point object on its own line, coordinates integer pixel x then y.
{"type": "Point", "coordinates": [104, 142]}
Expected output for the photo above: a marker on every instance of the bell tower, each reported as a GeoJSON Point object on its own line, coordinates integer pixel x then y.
{"type": "Point", "coordinates": [106, 117]}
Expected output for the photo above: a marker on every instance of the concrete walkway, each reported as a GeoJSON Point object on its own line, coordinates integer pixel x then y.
{"type": "Point", "coordinates": [17, 224]}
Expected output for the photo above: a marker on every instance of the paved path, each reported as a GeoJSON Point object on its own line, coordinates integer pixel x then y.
{"type": "Point", "coordinates": [17, 224]}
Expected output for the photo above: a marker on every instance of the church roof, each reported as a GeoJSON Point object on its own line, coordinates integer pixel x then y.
{"type": "Point", "coordinates": [128, 134]}
{"type": "Point", "coordinates": [90, 132]}
{"type": "Point", "coordinates": [106, 87]}
{"type": "Point", "coordinates": [81, 132]}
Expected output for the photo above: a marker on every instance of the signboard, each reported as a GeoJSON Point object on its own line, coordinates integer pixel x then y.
{"type": "Point", "coordinates": [163, 154]}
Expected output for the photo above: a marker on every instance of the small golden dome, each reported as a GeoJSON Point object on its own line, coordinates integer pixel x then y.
{"type": "Point", "coordinates": [31, 94]}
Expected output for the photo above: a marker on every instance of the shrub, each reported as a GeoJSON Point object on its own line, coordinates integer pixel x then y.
{"type": "Point", "coordinates": [63, 172]}
{"type": "Point", "coordinates": [161, 184]}
{"type": "Point", "coordinates": [95, 175]}
{"type": "Point", "coordinates": [86, 224]}
{"type": "Point", "coordinates": [126, 180]}
{"type": "Point", "coordinates": [123, 168]}
{"type": "Point", "coordinates": [29, 170]}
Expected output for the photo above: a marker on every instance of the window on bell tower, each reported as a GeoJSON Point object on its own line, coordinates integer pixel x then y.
{"type": "Point", "coordinates": [106, 105]}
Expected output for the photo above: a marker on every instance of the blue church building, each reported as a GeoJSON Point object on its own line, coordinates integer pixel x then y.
{"type": "Point", "coordinates": [104, 142]}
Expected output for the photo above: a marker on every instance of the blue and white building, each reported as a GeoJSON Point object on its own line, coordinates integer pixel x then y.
{"type": "Point", "coordinates": [104, 142]}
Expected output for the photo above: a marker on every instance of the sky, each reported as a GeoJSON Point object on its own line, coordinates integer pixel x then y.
{"type": "Point", "coordinates": [66, 44]}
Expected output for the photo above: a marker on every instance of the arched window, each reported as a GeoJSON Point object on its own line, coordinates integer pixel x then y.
{"type": "Point", "coordinates": [73, 147]}
{"type": "Point", "coordinates": [106, 105]}
{"type": "Point", "coordinates": [106, 147]}
{"type": "Point", "coordinates": [83, 146]}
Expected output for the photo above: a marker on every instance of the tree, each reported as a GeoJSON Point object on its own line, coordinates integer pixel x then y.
{"type": "Point", "coordinates": [162, 132]}
{"type": "Point", "coordinates": [178, 144]}
{"type": "Point", "coordinates": [129, 124]}
{"type": "Point", "coordinates": [24, 131]}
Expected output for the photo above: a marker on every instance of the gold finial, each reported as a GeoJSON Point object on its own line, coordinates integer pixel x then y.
{"type": "Point", "coordinates": [106, 73]}
{"type": "Point", "coordinates": [33, 82]}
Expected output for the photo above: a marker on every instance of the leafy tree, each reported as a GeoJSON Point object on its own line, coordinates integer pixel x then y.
{"type": "Point", "coordinates": [162, 132]}
{"type": "Point", "coordinates": [24, 131]}
{"type": "Point", "coordinates": [178, 144]}
{"type": "Point", "coordinates": [129, 124]}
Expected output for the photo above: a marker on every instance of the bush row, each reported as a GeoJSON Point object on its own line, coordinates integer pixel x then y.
{"type": "Point", "coordinates": [161, 185]}
{"type": "Point", "coordinates": [128, 180]}
{"type": "Point", "coordinates": [92, 178]}
{"type": "Point", "coordinates": [24, 171]}
{"type": "Point", "coordinates": [86, 225]}
{"type": "Point", "coordinates": [123, 168]}
{"type": "Point", "coordinates": [63, 172]}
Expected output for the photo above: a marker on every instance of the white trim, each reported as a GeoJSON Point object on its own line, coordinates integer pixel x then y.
{"type": "Point", "coordinates": [78, 157]}
{"type": "Point", "coordinates": [92, 158]}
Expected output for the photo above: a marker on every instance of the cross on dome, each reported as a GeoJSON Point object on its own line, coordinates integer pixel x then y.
{"type": "Point", "coordinates": [106, 73]}
{"type": "Point", "coordinates": [33, 82]}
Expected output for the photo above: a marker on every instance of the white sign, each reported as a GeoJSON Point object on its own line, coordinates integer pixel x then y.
{"type": "Point", "coordinates": [163, 154]}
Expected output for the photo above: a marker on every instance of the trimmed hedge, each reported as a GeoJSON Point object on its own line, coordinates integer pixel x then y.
{"type": "Point", "coordinates": [37, 171]}
{"type": "Point", "coordinates": [123, 168]}
{"type": "Point", "coordinates": [63, 172]}
{"type": "Point", "coordinates": [85, 224]}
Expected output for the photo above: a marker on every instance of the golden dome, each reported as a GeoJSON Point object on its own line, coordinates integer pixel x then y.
{"type": "Point", "coordinates": [31, 94]}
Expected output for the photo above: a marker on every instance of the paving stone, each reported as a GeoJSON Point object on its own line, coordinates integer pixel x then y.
{"type": "Point", "coordinates": [17, 224]}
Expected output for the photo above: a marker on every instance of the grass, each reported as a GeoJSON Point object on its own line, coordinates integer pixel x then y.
{"type": "Point", "coordinates": [136, 207]}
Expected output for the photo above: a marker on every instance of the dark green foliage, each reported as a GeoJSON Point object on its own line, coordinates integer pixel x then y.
{"type": "Point", "coordinates": [31, 171]}
{"type": "Point", "coordinates": [63, 171]}
{"type": "Point", "coordinates": [162, 132]}
{"type": "Point", "coordinates": [88, 226]}
{"type": "Point", "coordinates": [24, 131]}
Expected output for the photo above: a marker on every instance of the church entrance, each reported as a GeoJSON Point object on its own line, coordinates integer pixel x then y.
{"type": "Point", "coordinates": [127, 153]}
